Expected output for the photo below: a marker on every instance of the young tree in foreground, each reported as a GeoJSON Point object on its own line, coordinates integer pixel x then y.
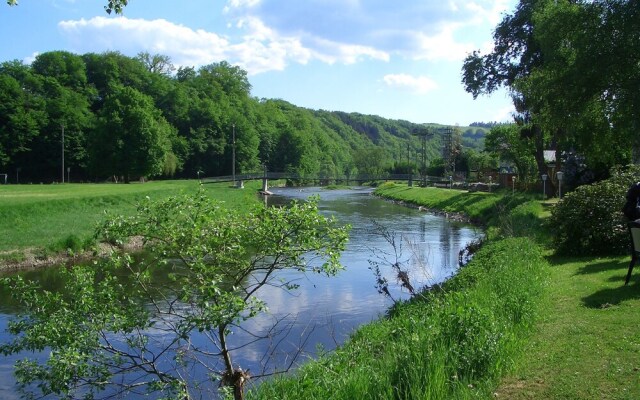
{"type": "Point", "coordinates": [121, 337]}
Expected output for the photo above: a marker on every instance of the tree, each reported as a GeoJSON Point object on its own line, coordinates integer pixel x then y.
{"type": "Point", "coordinates": [506, 142]}
{"type": "Point", "coordinates": [132, 137]}
{"type": "Point", "coordinates": [22, 114]}
{"type": "Point", "coordinates": [370, 162]}
{"type": "Point", "coordinates": [571, 67]}
{"type": "Point", "coordinates": [516, 54]}
{"type": "Point", "coordinates": [587, 79]}
{"type": "Point", "coordinates": [157, 63]}
{"type": "Point", "coordinates": [97, 331]}
{"type": "Point", "coordinates": [116, 6]}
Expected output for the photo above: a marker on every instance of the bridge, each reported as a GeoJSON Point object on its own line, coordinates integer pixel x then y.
{"type": "Point", "coordinates": [265, 176]}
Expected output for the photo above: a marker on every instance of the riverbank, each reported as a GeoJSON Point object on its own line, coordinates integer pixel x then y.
{"type": "Point", "coordinates": [44, 225]}
{"type": "Point", "coordinates": [455, 341]}
{"type": "Point", "coordinates": [586, 343]}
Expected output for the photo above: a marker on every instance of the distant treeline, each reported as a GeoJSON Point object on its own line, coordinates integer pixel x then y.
{"type": "Point", "coordinates": [125, 117]}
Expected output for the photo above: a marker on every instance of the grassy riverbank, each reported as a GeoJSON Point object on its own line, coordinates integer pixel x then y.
{"type": "Point", "coordinates": [516, 323]}
{"type": "Point", "coordinates": [51, 217]}
{"type": "Point", "coordinates": [586, 345]}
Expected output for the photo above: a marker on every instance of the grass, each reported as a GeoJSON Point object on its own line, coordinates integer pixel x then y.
{"type": "Point", "coordinates": [587, 343]}
{"type": "Point", "coordinates": [52, 216]}
{"type": "Point", "coordinates": [479, 206]}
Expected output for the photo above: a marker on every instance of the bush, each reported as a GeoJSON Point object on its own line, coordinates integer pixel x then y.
{"type": "Point", "coordinates": [589, 221]}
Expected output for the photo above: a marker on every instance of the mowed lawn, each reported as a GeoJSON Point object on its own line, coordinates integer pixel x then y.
{"type": "Point", "coordinates": [587, 346]}
{"type": "Point", "coordinates": [35, 216]}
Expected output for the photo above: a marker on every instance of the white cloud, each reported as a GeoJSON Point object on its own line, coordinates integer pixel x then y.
{"type": "Point", "coordinates": [442, 46]}
{"type": "Point", "coordinates": [184, 45]}
{"type": "Point", "coordinates": [259, 48]}
{"type": "Point", "coordinates": [417, 29]}
{"type": "Point", "coordinates": [31, 58]}
{"type": "Point", "coordinates": [416, 84]}
{"type": "Point", "coordinates": [505, 114]}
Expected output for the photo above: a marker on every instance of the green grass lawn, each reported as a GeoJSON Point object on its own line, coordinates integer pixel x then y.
{"type": "Point", "coordinates": [588, 344]}
{"type": "Point", "coordinates": [42, 215]}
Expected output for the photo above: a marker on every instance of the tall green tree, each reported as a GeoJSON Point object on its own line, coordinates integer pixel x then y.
{"type": "Point", "coordinates": [22, 115]}
{"type": "Point", "coordinates": [132, 138]}
{"type": "Point", "coordinates": [571, 66]}
{"type": "Point", "coordinates": [507, 143]}
{"type": "Point", "coordinates": [515, 55]}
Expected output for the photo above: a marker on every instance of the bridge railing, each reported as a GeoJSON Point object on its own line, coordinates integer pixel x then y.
{"type": "Point", "coordinates": [320, 177]}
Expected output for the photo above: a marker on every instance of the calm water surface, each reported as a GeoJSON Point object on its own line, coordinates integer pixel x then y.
{"type": "Point", "coordinates": [324, 311]}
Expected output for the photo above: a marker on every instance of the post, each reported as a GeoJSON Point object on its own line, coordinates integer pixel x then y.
{"type": "Point", "coordinates": [62, 152]}
{"type": "Point", "coordinates": [68, 174]}
{"type": "Point", "coordinates": [559, 175]}
{"type": "Point", "coordinates": [265, 180]}
{"type": "Point", "coordinates": [490, 182]}
{"type": "Point", "coordinates": [544, 185]}
{"type": "Point", "coordinates": [450, 182]}
{"type": "Point", "coordinates": [233, 155]}
{"type": "Point", "coordinates": [513, 182]}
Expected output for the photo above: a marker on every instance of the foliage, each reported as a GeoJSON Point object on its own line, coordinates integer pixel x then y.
{"type": "Point", "coordinates": [556, 59]}
{"type": "Point", "coordinates": [589, 220]}
{"type": "Point", "coordinates": [199, 111]}
{"type": "Point", "coordinates": [506, 141]}
{"type": "Point", "coordinates": [132, 138]}
{"type": "Point", "coordinates": [96, 331]}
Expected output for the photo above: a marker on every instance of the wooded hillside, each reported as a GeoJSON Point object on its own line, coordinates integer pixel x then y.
{"type": "Point", "coordinates": [129, 117]}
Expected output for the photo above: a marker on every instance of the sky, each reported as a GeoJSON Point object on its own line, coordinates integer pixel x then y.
{"type": "Point", "coordinates": [398, 59]}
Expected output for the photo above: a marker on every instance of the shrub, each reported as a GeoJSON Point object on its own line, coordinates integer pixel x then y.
{"type": "Point", "coordinates": [589, 221]}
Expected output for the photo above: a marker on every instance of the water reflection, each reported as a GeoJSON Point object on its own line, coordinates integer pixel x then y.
{"type": "Point", "coordinates": [323, 311]}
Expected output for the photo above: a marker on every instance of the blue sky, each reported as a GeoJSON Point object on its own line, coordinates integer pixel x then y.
{"type": "Point", "coordinates": [398, 59]}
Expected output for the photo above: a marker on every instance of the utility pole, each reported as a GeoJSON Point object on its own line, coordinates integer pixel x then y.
{"type": "Point", "coordinates": [62, 126]}
{"type": "Point", "coordinates": [233, 155]}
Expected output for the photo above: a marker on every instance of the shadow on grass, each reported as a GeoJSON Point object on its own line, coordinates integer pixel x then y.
{"type": "Point", "coordinates": [603, 266]}
{"type": "Point", "coordinates": [613, 296]}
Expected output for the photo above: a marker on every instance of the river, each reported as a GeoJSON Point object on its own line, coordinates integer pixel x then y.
{"type": "Point", "coordinates": [324, 311]}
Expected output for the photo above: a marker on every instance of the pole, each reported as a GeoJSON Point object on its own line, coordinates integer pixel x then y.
{"type": "Point", "coordinates": [233, 155]}
{"type": "Point", "coordinates": [62, 126]}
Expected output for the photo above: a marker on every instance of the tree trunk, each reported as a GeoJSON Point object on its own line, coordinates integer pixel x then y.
{"type": "Point", "coordinates": [538, 135]}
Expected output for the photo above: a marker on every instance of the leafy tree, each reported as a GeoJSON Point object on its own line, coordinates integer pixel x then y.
{"type": "Point", "coordinates": [516, 54]}
{"type": "Point", "coordinates": [586, 81]}
{"type": "Point", "coordinates": [507, 143]}
{"type": "Point", "coordinates": [571, 66]}
{"type": "Point", "coordinates": [370, 162]}
{"type": "Point", "coordinates": [132, 138]}
{"type": "Point", "coordinates": [22, 114]}
{"type": "Point", "coordinates": [157, 63]}
{"type": "Point", "coordinates": [97, 331]}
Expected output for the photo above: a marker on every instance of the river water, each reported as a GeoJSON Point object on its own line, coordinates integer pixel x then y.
{"type": "Point", "coordinates": [324, 311]}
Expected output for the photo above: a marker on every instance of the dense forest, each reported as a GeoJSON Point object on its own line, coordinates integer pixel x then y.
{"type": "Point", "coordinates": [119, 117]}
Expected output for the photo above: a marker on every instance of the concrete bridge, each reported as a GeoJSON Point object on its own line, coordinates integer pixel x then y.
{"type": "Point", "coordinates": [267, 175]}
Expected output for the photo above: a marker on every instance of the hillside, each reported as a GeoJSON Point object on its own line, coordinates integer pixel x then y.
{"type": "Point", "coordinates": [113, 117]}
